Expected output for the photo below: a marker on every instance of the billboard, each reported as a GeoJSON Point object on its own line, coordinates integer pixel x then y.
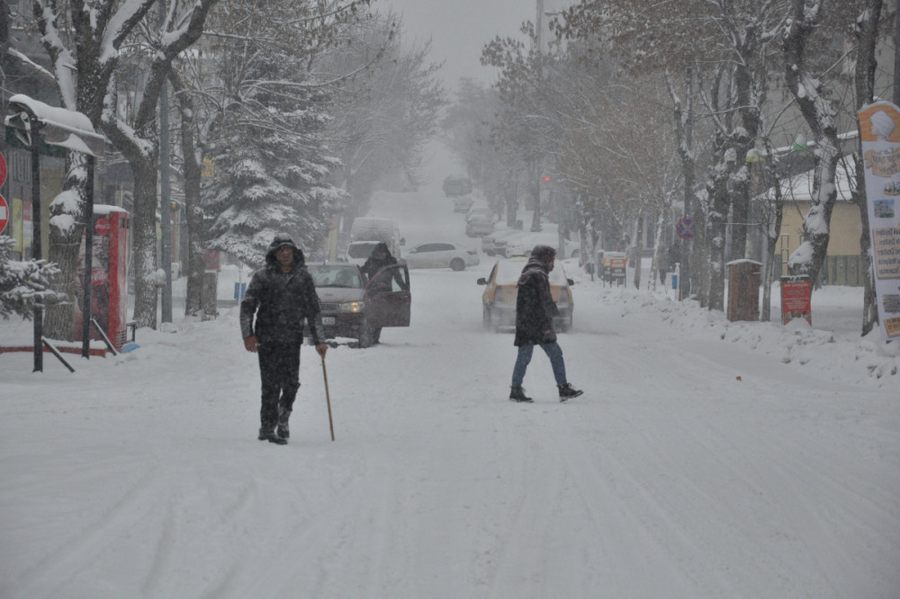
{"type": "Point", "coordinates": [879, 130]}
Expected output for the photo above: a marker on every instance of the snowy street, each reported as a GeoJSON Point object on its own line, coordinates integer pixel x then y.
{"type": "Point", "coordinates": [700, 462]}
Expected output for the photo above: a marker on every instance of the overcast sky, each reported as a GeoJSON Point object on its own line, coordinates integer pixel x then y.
{"type": "Point", "coordinates": [458, 29]}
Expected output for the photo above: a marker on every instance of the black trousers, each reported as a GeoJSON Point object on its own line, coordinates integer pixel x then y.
{"type": "Point", "coordinates": [279, 369]}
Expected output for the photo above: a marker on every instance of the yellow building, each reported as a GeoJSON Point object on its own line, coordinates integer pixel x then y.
{"type": "Point", "coordinates": [844, 265]}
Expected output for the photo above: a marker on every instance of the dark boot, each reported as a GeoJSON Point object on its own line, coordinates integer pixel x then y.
{"type": "Point", "coordinates": [283, 429]}
{"type": "Point", "coordinates": [517, 394]}
{"type": "Point", "coordinates": [567, 391]}
{"type": "Point", "coordinates": [267, 434]}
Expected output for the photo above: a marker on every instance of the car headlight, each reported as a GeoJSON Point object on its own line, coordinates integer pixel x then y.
{"type": "Point", "coordinates": [352, 307]}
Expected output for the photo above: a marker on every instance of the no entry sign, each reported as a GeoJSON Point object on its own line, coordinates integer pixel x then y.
{"type": "Point", "coordinates": [684, 227]}
{"type": "Point", "coordinates": [4, 213]}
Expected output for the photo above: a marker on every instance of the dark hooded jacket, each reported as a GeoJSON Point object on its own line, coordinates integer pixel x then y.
{"type": "Point", "coordinates": [281, 301]}
{"type": "Point", "coordinates": [535, 307]}
{"type": "Point", "coordinates": [373, 264]}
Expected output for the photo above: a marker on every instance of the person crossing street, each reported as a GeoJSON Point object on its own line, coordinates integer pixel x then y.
{"type": "Point", "coordinates": [535, 310]}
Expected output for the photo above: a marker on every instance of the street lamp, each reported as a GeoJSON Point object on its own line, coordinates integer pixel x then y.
{"type": "Point", "coordinates": [51, 131]}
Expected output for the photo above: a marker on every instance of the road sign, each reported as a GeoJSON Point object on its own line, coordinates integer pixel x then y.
{"type": "Point", "coordinates": [2, 169]}
{"type": "Point", "coordinates": [684, 227]}
{"type": "Point", "coordinates": [4, 213]}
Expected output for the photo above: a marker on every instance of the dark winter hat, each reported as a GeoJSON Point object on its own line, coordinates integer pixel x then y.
{"type": "Point", "coordinates": [281, 240]}
{"type": "Point", "coordinates": [544, 253]}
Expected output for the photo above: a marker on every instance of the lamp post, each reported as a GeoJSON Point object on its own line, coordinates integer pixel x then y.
{"type": "Point", "coordinates": [51, 131]}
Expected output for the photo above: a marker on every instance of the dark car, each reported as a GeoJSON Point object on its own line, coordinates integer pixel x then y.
{"type": "Point", "coordinates": [352, 306]}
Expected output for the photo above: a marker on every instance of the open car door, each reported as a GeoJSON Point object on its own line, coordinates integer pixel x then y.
{"type": "Point", "coordinates": [388, 298]}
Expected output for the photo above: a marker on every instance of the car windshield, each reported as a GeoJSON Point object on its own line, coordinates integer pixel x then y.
{"type": "Point", "coordinates": [508, 272]}
{"type": "Point", "coordinates": [361, 250]}
{"type": "Point", "coordinates": [336, 275]}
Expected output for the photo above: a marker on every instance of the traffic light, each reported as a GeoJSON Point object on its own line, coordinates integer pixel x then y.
{"type": "Point", "coordinates": [545, 179]}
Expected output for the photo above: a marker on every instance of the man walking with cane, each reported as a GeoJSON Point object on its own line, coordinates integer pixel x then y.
{"type": "Point", "coordinates": [281, 296]}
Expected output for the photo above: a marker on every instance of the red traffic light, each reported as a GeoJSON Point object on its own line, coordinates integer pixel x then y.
{"type": "Point", "coordinates": [545, 179]}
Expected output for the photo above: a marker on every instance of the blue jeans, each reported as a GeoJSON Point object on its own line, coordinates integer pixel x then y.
{"type": "Point", "coordinates": [553, 351]}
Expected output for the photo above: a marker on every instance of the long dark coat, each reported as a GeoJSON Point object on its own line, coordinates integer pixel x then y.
{"type": "Point", "coordinates": [372, 265]}
{"type": "Point", "coordinates": [281, 302]}
{"type": "Point", "coordinates": [535, 307]}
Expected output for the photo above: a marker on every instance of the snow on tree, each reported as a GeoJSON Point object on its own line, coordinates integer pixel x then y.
{"type": "Point", "coordinates": [22, 282]}
{"type": "Point", "coordinates": [267, 111]}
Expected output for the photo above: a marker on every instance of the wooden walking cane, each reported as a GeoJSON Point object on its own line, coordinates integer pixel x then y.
{"type": "Point", "coordinates": [327, 398]}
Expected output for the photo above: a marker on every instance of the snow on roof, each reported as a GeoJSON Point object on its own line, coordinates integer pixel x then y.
{"type": "Point", "coordinates": [105, 209]}
{"type": "Point", "coordinates": [799, 187]}
{"type": "Point", "coordinates": [59, 116]}
{"type": "Point", "coordinates": [60, 127]}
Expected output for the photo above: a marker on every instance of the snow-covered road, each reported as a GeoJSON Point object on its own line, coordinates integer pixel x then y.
{"type": "Point", "coordinates": [691, 468]}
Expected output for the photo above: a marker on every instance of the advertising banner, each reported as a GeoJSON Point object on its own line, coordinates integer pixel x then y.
{"type": "Point", "coordinates": [879, 130]}
{"type": "Point", "coordinates": [796, 298]}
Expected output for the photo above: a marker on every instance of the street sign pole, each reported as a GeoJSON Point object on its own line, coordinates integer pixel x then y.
{"type": "Point", "coordinates": [36, 252]}
{"type": "Point", "coordinates": [86, 308]}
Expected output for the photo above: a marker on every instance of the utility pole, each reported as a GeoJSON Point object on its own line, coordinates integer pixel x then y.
{"type": "Point", "coordinates": [165, 191]}
{"type": "Point", "coordinates": [897, 52]}
{"type": "Point", "coordinates": [537, 174]}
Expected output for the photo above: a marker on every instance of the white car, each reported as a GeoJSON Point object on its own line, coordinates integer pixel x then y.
{"type": "Point", "coordinates": [462, 203]}
{"type": "Point", "coordinates": [440, 255]}
{"type": "Point", "coordinates": [523, 242]}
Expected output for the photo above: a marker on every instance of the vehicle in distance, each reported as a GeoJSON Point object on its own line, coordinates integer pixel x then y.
{"type": "Point", "coordinates": [440, 255]}
{"type": "Point", "coordinates": [498, 301]}
{"type": "Point", "coordinates": [350, 306]}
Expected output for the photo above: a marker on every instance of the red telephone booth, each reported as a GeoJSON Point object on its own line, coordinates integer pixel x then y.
{"type": "Point", "coordinates": [109, 274]}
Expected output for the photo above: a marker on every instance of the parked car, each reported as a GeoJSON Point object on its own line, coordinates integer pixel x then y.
{"type": "Point", "coordinates": [479, 225]}
{"type": "Point", "coordinates": [479, 211]}
{"type": "Point", "coordinates": [440, 255]}
{"type": "Point", "coordinates": [499, 297]}
{"type": "Point", "coordinates": [523, 242]}
{"type": "Point", "coordinates": [612, 266]}
{"type": "Point", "coordinates": [353, 307]}
{"type": "Point", "coordinates": [462, 203]}
{"type": "Point", "coordinates": [495, 243]}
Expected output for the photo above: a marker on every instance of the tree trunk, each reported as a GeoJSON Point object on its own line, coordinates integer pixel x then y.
{"type": "Point", "coordinates": [535, 186]}
{"type": "Point", "coordinates": [715, 236]}
{"type": "Point", "coordinates": [65, 248]}
{"type": "Point", "coordinates": [638, 242]}
{"type": "Point", "coordinates": [193, 305]}
{"type": "Point", "coordinates": [866, 63]}
{"type": "Point", "coordinates": [684, 136]}
{"type": "Point", "coordinates": [820, 116]}
{"type": "Point", "coordinates": [772, 231]}
{"type": "Point", "coordinates": [144, 241]}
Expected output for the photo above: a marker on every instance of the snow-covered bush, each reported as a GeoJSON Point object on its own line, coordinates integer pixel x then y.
{"type": "Point", "coordinates": [23, 281]}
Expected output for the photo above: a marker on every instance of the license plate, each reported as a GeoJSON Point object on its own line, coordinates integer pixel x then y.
{"type": "Point", "coordinates": [328, 320]}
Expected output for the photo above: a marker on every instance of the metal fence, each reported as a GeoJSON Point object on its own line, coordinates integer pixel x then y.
{"type": "Point", "coordinates": [838, 270]}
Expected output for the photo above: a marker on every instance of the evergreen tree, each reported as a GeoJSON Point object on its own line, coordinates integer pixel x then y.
{"type": "Point", "coordinates": [23, 281]}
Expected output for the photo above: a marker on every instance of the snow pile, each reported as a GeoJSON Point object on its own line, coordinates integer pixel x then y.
{"type": "Point", "coordinates": [834, 356]}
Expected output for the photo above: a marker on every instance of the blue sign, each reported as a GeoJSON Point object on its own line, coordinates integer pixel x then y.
{"type": "Point", "coordinates": [240, 289]}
